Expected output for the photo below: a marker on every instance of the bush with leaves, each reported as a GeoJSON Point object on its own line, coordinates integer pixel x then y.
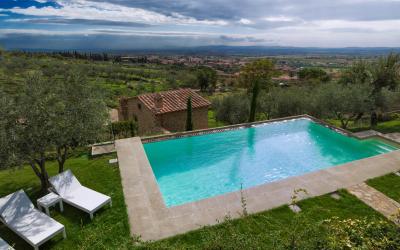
{"type": "Point", "coordinates": [361, 234]}
{"type": "Point", "coordinates": [313, 75]}
{"type": "Point", "coordinates": [281, 102]}
{"type": "Point", "coordinates": [344, 102]}
{"type": "Point", "coordinates": [124, 129]}
{"type": "Point", "coordinates": [232, 109]}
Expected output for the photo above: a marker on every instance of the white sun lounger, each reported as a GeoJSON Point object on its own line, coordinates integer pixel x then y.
{"type": "Point", "coordinates": [73, 193]}
{"type": "Point", "coordinates": [19, 214]}
{"type": "Point", "coordinates": [4, 245]}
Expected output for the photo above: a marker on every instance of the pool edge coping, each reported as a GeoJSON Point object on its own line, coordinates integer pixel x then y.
{"type": "Point", "coordinates": [176, 135]}
{"type": "Point", "coordinates": [152, 220]}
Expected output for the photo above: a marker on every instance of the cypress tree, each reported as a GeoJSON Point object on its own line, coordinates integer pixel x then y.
{"type": "Point", "coordinates": [189, 122]}
{"type": "Point", "coordinates": [256, 89]}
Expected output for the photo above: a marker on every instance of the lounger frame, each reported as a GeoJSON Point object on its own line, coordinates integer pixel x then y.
{"type": "Point", "coordinates": [35, 246]}
{"type": "Point", "coordinates": [65, 200]}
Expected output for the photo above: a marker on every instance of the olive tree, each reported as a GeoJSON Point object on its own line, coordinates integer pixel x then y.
{"type": "Point", "coordinates": [206, 78]}
{"type": "Point", "coordinates": [81, 118]}
{"type": "Point", "coordinates": [48, 116]}
{"type": "Point", "coordinates": [313, 75]}
{"type": "Point", "coordinates": [386, 73]}
{"type": "Point", "coordinates": [37, 106]}
{"type": "Point", "coordinates": [344, 102]}
{"type": "Point", "coordinates": [8, 119]}
{"type": "Point", "coordinates": [359, 73]}
{"type": "Point", "coordinates": [232, 108]}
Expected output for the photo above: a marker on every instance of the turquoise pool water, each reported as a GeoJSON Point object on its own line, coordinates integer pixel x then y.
{"type": "Point", "coordinates": [194, 168]}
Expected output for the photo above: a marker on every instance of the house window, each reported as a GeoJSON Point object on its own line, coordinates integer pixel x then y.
{"type": "Point", "coordinates": [139, 106]}
{"type": "Point", "coordinates": [135, 117]}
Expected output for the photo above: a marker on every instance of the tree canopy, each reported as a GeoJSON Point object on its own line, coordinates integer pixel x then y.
{"type": "Point", "coordinates": [345, 103]}
{"type": "Point", "coordinates": [82, 116]}
{"type": "Point", "coordinates": [206, 78]}
{"type": "Point", "coordinates": [46, 116]}
{"type": "Point", "coordinates": [313, 75]}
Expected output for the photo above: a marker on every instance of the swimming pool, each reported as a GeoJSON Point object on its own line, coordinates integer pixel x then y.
{"type": "Point", "coordinates": [197, 167]}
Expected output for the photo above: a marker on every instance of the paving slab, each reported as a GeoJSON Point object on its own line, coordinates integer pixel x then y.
{"type": "Point", "coordinates": [377, 200]}
{"type": "Point", "coordinates": [101, 149]}
{"type": "Point", "coordinates": [394, 136]}
{"type": "Point", "coordinates": [335, 196]}
{"type": "Point", "coordinates": [367, 133]}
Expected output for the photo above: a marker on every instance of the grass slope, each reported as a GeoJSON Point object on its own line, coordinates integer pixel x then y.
{"type": "Point", "coordinates": [272, 229]}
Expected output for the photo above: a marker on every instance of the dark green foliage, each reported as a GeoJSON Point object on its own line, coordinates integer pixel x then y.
{"type": "Point", "coordinates": [281, 102]}
{"type": "Point", "coordinates": [8, 116]}
{"type": "Point", "coordinates": [313, 75]}
{"type": "Point", "coordinates": [124, 129]}
{"type": "Point", "coordinates": [232, 109]}
{"type": "Point", "coordinates": [387, 73]}
{"type": "Point", "coordinates": [206, 78]}
{"type": "Point", "coordinates": [255, 92]}
{"type": "Point", "coordinates": [359, 73]}
{"type": "Point", "coordinates": [189, 119]}
{"type": "Point", "coordinates": [51, 116]}
{"type": "Point", "coordinates": [345, 103]}
{"type": "Point", "coordinates": [82, 116]}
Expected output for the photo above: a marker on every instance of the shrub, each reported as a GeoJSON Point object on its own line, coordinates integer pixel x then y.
{"type": "Point", "coordinates": [361, 234]}
{"type": "Point", "coordinates": [232, 109]}
{"type": "Point", "coordinates": [124, 129]}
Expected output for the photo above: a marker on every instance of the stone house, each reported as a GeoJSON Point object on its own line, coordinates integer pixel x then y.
{"type": "Point", "coordinates": [164, 111]}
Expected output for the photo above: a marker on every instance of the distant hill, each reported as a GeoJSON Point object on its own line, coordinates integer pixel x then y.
{"type": "Point", "coordinates": [253, 51]}
{"type": "Point", "coordinates": [277, 50]}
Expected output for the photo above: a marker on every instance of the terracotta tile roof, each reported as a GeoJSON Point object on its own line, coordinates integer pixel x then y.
{"type": "Point", "coordinates": [173, 100]}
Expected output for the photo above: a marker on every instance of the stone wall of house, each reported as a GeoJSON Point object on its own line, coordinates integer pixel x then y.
{"type": "Point", "coordinates": [200, 118]}
{"type": "Point", "coordinates": [148, 123]}
{"type": "Point", "coordinates": [134, 109]}
{"type": "Point", "coordinates": [176, 121]}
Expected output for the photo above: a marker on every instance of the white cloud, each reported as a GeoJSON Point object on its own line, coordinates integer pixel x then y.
{"type": "Point", "coordinates": [383, 25]}
{"type": "Point", "coordinates": [245, 21]}
{"type": "Point", "coordinates": [83, 9]}
{"type": "Point", "coordinates": [338, 25]}
{"type": "Point", "coordinates": [279, 19]}
{"type": "Point", "coordinates": [119, 32]}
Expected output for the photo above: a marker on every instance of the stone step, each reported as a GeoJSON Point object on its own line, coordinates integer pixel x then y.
{"type": "Point", "coordinates": [377, 200]}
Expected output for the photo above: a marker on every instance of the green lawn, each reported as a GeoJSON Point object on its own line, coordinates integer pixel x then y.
{"type": "Point", "coordinates": [388, 184]}
{"type": "Point", "coordinates": [109, 230]}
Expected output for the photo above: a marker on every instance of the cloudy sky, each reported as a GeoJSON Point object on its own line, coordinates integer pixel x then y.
{"type": "Point", "coordinates": [136, 24]}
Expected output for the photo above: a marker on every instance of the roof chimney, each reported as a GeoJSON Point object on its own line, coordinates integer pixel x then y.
{"type": "Point", "coordinates": [158, 101]}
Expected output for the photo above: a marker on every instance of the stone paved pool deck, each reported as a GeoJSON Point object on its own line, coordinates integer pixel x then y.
{"type": "Point", "coordinates": [152, 220]}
